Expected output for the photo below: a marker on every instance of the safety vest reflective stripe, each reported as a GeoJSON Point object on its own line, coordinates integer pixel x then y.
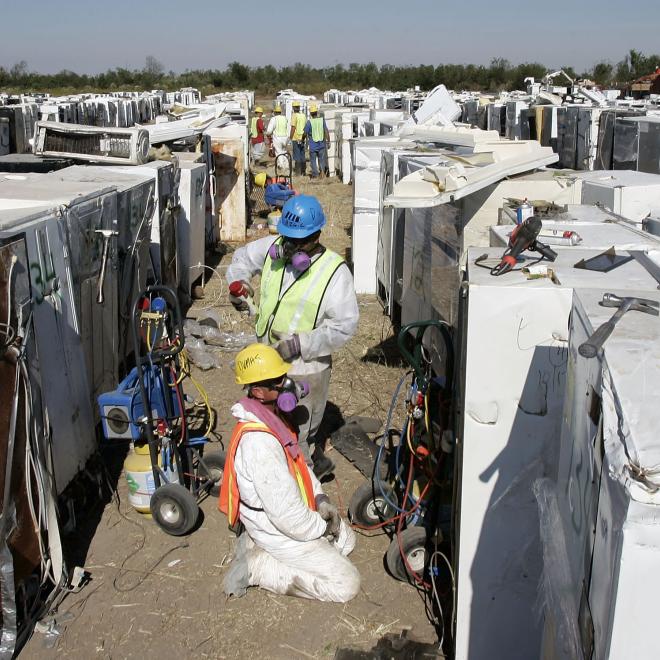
{"type": "Point", "coordinates": [318, 134]}
{"type": "Point", "coordinates": [296, 309]}
{"type": "Point", "coordinates": [253, 128]}
{"type": "Point", "coordinates": [229, 500]}
{"type": "Point", "coordinates": [280, 126]}
{"type": "Point", "coordinates": [298, 120]}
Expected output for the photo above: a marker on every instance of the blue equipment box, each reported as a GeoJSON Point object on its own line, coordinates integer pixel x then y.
{"type": "Point", "coordinates": [122, 408]}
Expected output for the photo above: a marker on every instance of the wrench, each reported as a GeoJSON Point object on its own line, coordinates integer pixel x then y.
{"type": "Point", "coordinates": [107, 234]}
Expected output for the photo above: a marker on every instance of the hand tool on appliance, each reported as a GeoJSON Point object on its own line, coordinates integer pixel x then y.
{"type": "Point", "coordinates": [107, 234]}
{"type": "Point", "coordinates": [591, 347]}
{"type": "Point", "coordinates": [647, 263]}
{"type": "Point", "coordinates": [523, 237]}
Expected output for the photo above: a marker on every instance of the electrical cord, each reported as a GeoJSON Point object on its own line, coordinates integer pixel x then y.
{"type": "Point", "coordinates": [433, 564]}
{"type": "Point", "coordinates": [388, 425]}
{"type": "Point", "coordinates": [220, 295]}
{"type": "Point", "coordinates": [184, 364]}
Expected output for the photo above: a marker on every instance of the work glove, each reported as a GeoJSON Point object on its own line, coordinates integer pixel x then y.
{"type": "Point", "coordinates": [330, 514]}
{"type": "Point", "coordinates": [345, 542]}
{"type": "Point", "coordinates": [240, 303]}
{"type": "Point", "coordinates": [288, 347]}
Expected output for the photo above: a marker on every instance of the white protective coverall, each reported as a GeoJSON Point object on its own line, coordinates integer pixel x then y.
{"type": "Point", "coordinates": [337, 322]}
{"type": "Point", "coordinates": [285, 548]}
{"type": "Point", "coordinates": [280, 142]}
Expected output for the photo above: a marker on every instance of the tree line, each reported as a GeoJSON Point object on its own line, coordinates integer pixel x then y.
{"type": "Point", "coordinates": [499, 75]}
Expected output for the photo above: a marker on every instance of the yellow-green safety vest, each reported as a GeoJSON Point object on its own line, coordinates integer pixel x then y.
{"type": "Point", "coordinates": [296, 309]}
{"type": "Point", "coordinates": [280, 126]}
{"type": "Point", "coordinates": [318, 134]}
{"type": "Point", "coordinates": [254, 133]}
{"type": "Point", "coordinates": [298, 121]}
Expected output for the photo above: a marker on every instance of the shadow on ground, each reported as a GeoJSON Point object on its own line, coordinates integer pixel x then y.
{"type": "Point", "coordinates": [392, 647]}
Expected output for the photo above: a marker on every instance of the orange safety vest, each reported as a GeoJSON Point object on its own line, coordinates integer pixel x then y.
{"type": "Point", "coordinates": [230, 499]}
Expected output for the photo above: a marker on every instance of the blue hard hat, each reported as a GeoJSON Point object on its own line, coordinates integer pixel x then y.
{"type": "Point", "coordinates": [302, 216]}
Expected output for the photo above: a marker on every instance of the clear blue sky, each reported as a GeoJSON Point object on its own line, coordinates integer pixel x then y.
{"type": "Point", "coordinates": [91, 35]}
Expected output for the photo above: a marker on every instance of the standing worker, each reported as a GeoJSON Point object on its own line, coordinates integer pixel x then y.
{"type": "Point", "coordinates": [278, 131]}
{"type": "Point", "coordinates": [307, 307]}
{"type": "Point", "coordinates": [257, 135]}
{"type": "Point", "coordinates": [292, 540]}
{"type": "Point", "coordinates": [297, 135]}
{"type": "Point", "coordinates": [319, 141]}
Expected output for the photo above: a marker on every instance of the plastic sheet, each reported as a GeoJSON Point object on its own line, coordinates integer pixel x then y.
{"type": "Point", "coordinates": [228, 341]}
{"type": "Point", "coordinates": [211, 318]}
{"type": "Point", "coordinates": [556, 589]}
{"type": "Point", "coordinates": [192, 328]}
{"type": "Point", "coordinates": [7, 590]}
{"type": "Point", "coordinates": [202, 358]}
{"type": "Point", "coordinates": [195, 344]}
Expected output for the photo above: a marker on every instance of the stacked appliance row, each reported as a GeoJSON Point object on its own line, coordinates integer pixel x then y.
{"type": "Point", "coordinates": [555, 455]}
{"type": "Point", "coordinates": [65, 329]}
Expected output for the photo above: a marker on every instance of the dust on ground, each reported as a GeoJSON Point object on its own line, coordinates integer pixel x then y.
{"type": "Point", "coordinates": [156, 596]}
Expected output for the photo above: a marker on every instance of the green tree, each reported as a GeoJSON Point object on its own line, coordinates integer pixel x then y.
{"type": "Point", "coordinates": [602, 73]}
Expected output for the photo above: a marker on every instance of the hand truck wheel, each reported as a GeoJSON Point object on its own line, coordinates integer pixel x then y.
{"type": "Point", "coordinates": [174, 509]}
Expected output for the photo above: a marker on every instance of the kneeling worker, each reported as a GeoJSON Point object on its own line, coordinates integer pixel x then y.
{"type": "Point", "coordinates": [292, 540]}
{"type": "Point", "coordinates": [307, 309]}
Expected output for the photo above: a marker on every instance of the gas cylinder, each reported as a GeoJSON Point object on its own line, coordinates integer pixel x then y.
{"type": "Point", "coordinates": [524, 211]}
{"type": "Point", "coordinates": [140, 478]}
{"type": "Point", "coordinates": [273, 221]}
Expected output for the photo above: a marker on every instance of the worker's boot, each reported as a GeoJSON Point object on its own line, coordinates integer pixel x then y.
{"type": "Point", "coordinates": [323, 466]}
{"type": "Point", "coordinates": [237, 577]}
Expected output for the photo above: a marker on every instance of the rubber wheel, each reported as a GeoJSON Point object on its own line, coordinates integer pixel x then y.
{"type": "Point", "coordinates": [412, 542]}
{"type": "Point", "coordinates": [215, 468]}
{"type": "Point", "coordinates": [174, 509]}
{"type": "Point", "coordinates": [368, 507]}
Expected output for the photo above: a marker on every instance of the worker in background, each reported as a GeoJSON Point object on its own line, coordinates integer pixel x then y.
{"type": "Point", "coordinates": [319, 142]}
{"type": "Point", "coordinates": [297, 136]}
{"type": "Point", "coordinates": [292, 540]}
{"type": "Point", "coordinates": [257, 135]}
{"type": "Point", "coordinates": [278, 131]}
{"type": "Point", "coordinates": [307, 307]}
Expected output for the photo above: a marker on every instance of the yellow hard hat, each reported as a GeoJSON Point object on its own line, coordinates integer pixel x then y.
{"type": "Point", "coordinates": [277, 108]}
{"type": "Point", "coordinates": [313, 108]}
{"type": "Point", "coordinates": [259, 362]}
{"type": "Point", "coordinates": [258, 109]}
{"type": "Point", "coordinates": [295, 104]}
{"type": "Point", "coordinates": [260, 179]}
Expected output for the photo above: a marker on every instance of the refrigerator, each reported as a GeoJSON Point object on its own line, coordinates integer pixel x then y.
{"type": "Point", "coordinates": [59, 360]}
{"type": "Point", "coordinates": [637, 144]}
{"type": "Point", "coordinates": [514, 363]}
{"type": "Point", "coordinates": [191, 228]}
{"type": "Point", "coordinates": [162, 174]}
{"type": "Point", "coordinates": [129, 249]}
{"type": "Point", "coordinates": [600, 573]}
{"type": "Point", "coordinates": [396, 163]}
{"type": "Point", "coordinates": [633, 195]}
{"type": "Point", "coordinates": [82, 208]}
{"type": "Point", "coordinates": [366, 204]}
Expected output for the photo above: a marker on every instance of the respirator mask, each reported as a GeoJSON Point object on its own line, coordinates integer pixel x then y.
{"type": "Point", "coordinates": [288, 251]}
{"type": "Point", "coordinates": [290, 393]}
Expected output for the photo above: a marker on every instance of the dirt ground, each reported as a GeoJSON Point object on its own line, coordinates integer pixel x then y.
{"type": "Point", "coordinates": [156, 596]}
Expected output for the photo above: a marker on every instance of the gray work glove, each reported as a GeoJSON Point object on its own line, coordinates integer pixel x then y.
{"type": "Point", "coordinates": [330, 514]}
{"type": "Point", "coordinates": [240, 303]}
{"type": "Point", "coordinates": [288, 347]}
